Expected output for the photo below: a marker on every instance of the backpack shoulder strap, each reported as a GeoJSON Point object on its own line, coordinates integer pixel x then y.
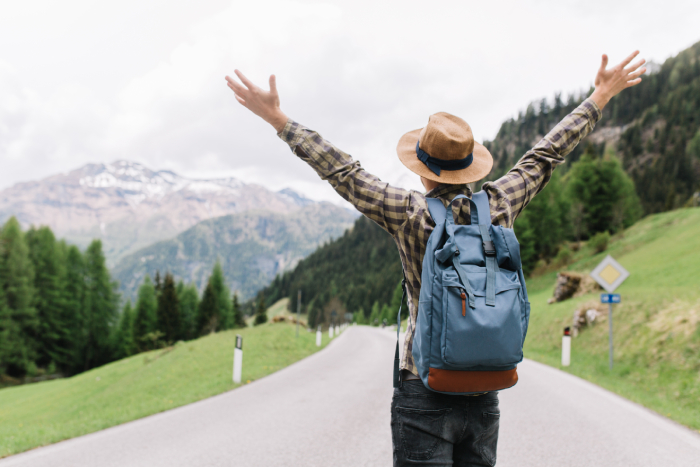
{"type": "Point", "coordinates": [437, 210]}
{"type": "Point", "coordinates": [482, 214]}
{"type": "Point", "coordinates": [397, 355]}
{"type": "Point", "coordinates": [480, 201]}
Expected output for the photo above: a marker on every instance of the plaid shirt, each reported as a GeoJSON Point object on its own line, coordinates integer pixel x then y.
{"type": "Point", "coordinates": [404, 213]}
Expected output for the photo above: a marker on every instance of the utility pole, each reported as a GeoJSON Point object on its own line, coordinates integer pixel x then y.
{"type": "Point", "coordinates": [298, 310]}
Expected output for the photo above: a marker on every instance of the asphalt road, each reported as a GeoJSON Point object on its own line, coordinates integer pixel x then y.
{"type": "Point", "coordinates": [332, 409]}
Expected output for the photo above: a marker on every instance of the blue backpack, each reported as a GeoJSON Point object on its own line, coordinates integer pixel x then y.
{"type": "Point", "coordinates": [473, 310]}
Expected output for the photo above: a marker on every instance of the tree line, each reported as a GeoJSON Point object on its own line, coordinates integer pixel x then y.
{"type": "Point", "coordinates": [60, 309]}
{"type": "Point", "coordinates": [659, 121]}
{"type": "Point", "coordinates": [360, 269]}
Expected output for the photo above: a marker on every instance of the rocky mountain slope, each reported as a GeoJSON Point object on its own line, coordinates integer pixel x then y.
{"type": "Point", "coordinates": [253, 247]}
{"type": "Point", "coordinates": [129, 206]}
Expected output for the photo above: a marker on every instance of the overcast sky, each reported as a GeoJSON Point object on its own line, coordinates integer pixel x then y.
{"type": "Point", "coordinates": [85, 81]}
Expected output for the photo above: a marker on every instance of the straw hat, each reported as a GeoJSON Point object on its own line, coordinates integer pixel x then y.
{"type": "Point", "coordinates": [445, 151]}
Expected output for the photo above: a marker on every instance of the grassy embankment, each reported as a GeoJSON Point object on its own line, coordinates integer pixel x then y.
{"type": "Point", "coordinates": [44, 413]}
{"type": "Point", "coordinates": [656, 331]}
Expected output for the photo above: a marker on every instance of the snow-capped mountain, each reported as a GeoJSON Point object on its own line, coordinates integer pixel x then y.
{"type": "Point", "coordinates": [129, 206]}
{"type": "Point", "coordinates": [140, 183]}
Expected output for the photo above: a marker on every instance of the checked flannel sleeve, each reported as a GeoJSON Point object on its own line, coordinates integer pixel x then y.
{"type": "Point", "coordinates": [384, 204]}
{"type": "Point", "coordinates": [511, 193]}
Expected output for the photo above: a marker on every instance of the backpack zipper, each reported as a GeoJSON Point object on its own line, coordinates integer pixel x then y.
{"type": "Point", "coordinates": [464, 302]}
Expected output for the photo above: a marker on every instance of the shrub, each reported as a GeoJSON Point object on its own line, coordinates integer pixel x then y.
{"type": "Point", "coordinates": [599, 242]}
{"type": "Point", "coordinates": [564, 255]}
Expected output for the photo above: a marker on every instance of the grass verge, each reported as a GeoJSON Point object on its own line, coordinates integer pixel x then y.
{"type": "Point", "coordinates": [656, 327]}
{"type": "Point", "coordinates": [43, 413]}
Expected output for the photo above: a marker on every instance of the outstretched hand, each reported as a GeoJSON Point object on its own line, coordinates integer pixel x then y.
{"type": "Point", "coordinates": [264, 104]}
{"type": "Point", "coordinates": [610, 82]}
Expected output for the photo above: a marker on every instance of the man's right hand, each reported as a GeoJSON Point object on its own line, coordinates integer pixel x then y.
{"type": "Point", "coordinates": [264, 104]}
{"type": "Point", "coordinates": [610, 82]}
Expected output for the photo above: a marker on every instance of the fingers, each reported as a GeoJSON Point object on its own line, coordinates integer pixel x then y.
{"type": "Point", "coordinates": [627, 61]}
{"type": "Point", "coordinates": [633, 82]}
{"type": "Point", "coordinates": [273, 84]}
{"type": "Point", "coordinates": [604, 62]}
{"type": "Point", "coordinates": [636, 74]}
{"type": "Point", "coordinates": [631, 68]}
{"type": "Point", "coordinates": [236, 87]}
{"type": "Point", "coordinates": [249, 84]}
{"type": "Point", "coordinates": [241, 101]}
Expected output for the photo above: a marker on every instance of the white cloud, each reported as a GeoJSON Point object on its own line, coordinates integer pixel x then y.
{"type": "Point", "coordinates": [94, 82]}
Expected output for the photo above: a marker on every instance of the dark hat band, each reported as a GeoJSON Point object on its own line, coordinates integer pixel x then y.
{"type": "Point", "coordinates": [435, 165]}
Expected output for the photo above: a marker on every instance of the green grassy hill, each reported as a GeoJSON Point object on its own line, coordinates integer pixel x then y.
{"type": "Point", "coordinates": [657, 337]}
{"type": "Point", "coordinates": [44, 413]}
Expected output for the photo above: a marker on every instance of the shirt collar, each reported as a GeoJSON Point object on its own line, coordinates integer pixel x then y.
{"type": "Point", "coordinates": [444, 191]}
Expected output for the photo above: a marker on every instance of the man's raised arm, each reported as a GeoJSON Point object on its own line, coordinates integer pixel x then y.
{"type": "Point", "coordinates": [530, 175]}
{"type": "Point", "coordinates": [382, 203]}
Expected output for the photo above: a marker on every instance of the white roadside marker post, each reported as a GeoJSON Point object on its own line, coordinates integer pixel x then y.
{"type": "Point", "coordinates": [238, 359]}
{"type": "Point", "coordinates": [318, 336]}
{"type": "Point", "coordinates": [610, 274]}
{"type": "Point", "coordinates": [566, 347]}
{"type": "Point", "coordinates": [330, 331]}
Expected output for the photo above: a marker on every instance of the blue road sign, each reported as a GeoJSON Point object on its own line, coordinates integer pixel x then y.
{"type": "Point", "coordinates": [610, 298]}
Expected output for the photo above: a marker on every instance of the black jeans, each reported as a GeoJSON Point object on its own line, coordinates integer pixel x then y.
{"type": "Point", "coordinates": [432, 429]}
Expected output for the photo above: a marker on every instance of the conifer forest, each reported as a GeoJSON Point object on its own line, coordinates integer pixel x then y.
{"type": "Point", "coordinates": [61, 314]}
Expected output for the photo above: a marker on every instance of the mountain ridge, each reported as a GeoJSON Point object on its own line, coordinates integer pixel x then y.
{"type": "Point", "coordinates": [253, 247]}
{"type": "Point", "coordinates": [129, 206]}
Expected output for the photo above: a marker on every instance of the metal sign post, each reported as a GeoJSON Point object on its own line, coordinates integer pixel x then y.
{"type": "Point", "coordinates": [238, 359]}
{"type": "Point", "coordinates": [610, 274]}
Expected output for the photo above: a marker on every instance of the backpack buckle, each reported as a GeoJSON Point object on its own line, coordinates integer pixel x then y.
{"type": "Point", "coordinates": [489, 249]}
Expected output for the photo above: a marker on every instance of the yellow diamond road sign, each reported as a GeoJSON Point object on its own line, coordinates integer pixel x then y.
{"type": "Point", "coordinates": [609, 274]}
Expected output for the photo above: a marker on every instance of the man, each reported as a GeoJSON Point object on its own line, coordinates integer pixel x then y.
{"type": "Point", "coordinates": [430, 428]}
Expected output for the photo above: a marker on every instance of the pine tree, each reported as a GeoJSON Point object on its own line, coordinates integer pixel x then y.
{"type": "Point", "coordinates": [385, 315]}
{"type": "Point", "coordinates": [604, 190]}
{"type": "Point", "coordinates": [100, 305]}
{"type": "Point", "coordinates": [261, 311]}
{"type": "Point", "coordinates": [527, 240]}
{"type": "Point", "coordinates": [223, 296]}
{"type": "Point", "coordinates": [548, 218]}
{"type": "Point", "coordinates": [215, 313]}
{"type": "Point", "coordinates": [74, 291]}
{"type": "Point", "coordinates": [395, 303]}
{"type": "Point", "coordinates": [208, 316]}
{"type": "Point", "coordinates": [189, 302]}
{"type": "Point", "coordinates": [125, 344]}
{"type": "Point", "coordinates": [14, 357]}
{"type": "Point", "coordinates": [54, 332]}
{"type": "Point", "coordinates": [157, 284]}
{"type": "Point", "coordinates": [19, 321]}
{"type": "Point", "coordinates": [236, 313]}
{"type": "Point", "coordinates": [169, 322]}
{"type": "Point", "coordinates": [312, 314]}
{"type": "Point", "coordinates": [375, 315]}
{"type": "Point", "coordinates": [145, 319]}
